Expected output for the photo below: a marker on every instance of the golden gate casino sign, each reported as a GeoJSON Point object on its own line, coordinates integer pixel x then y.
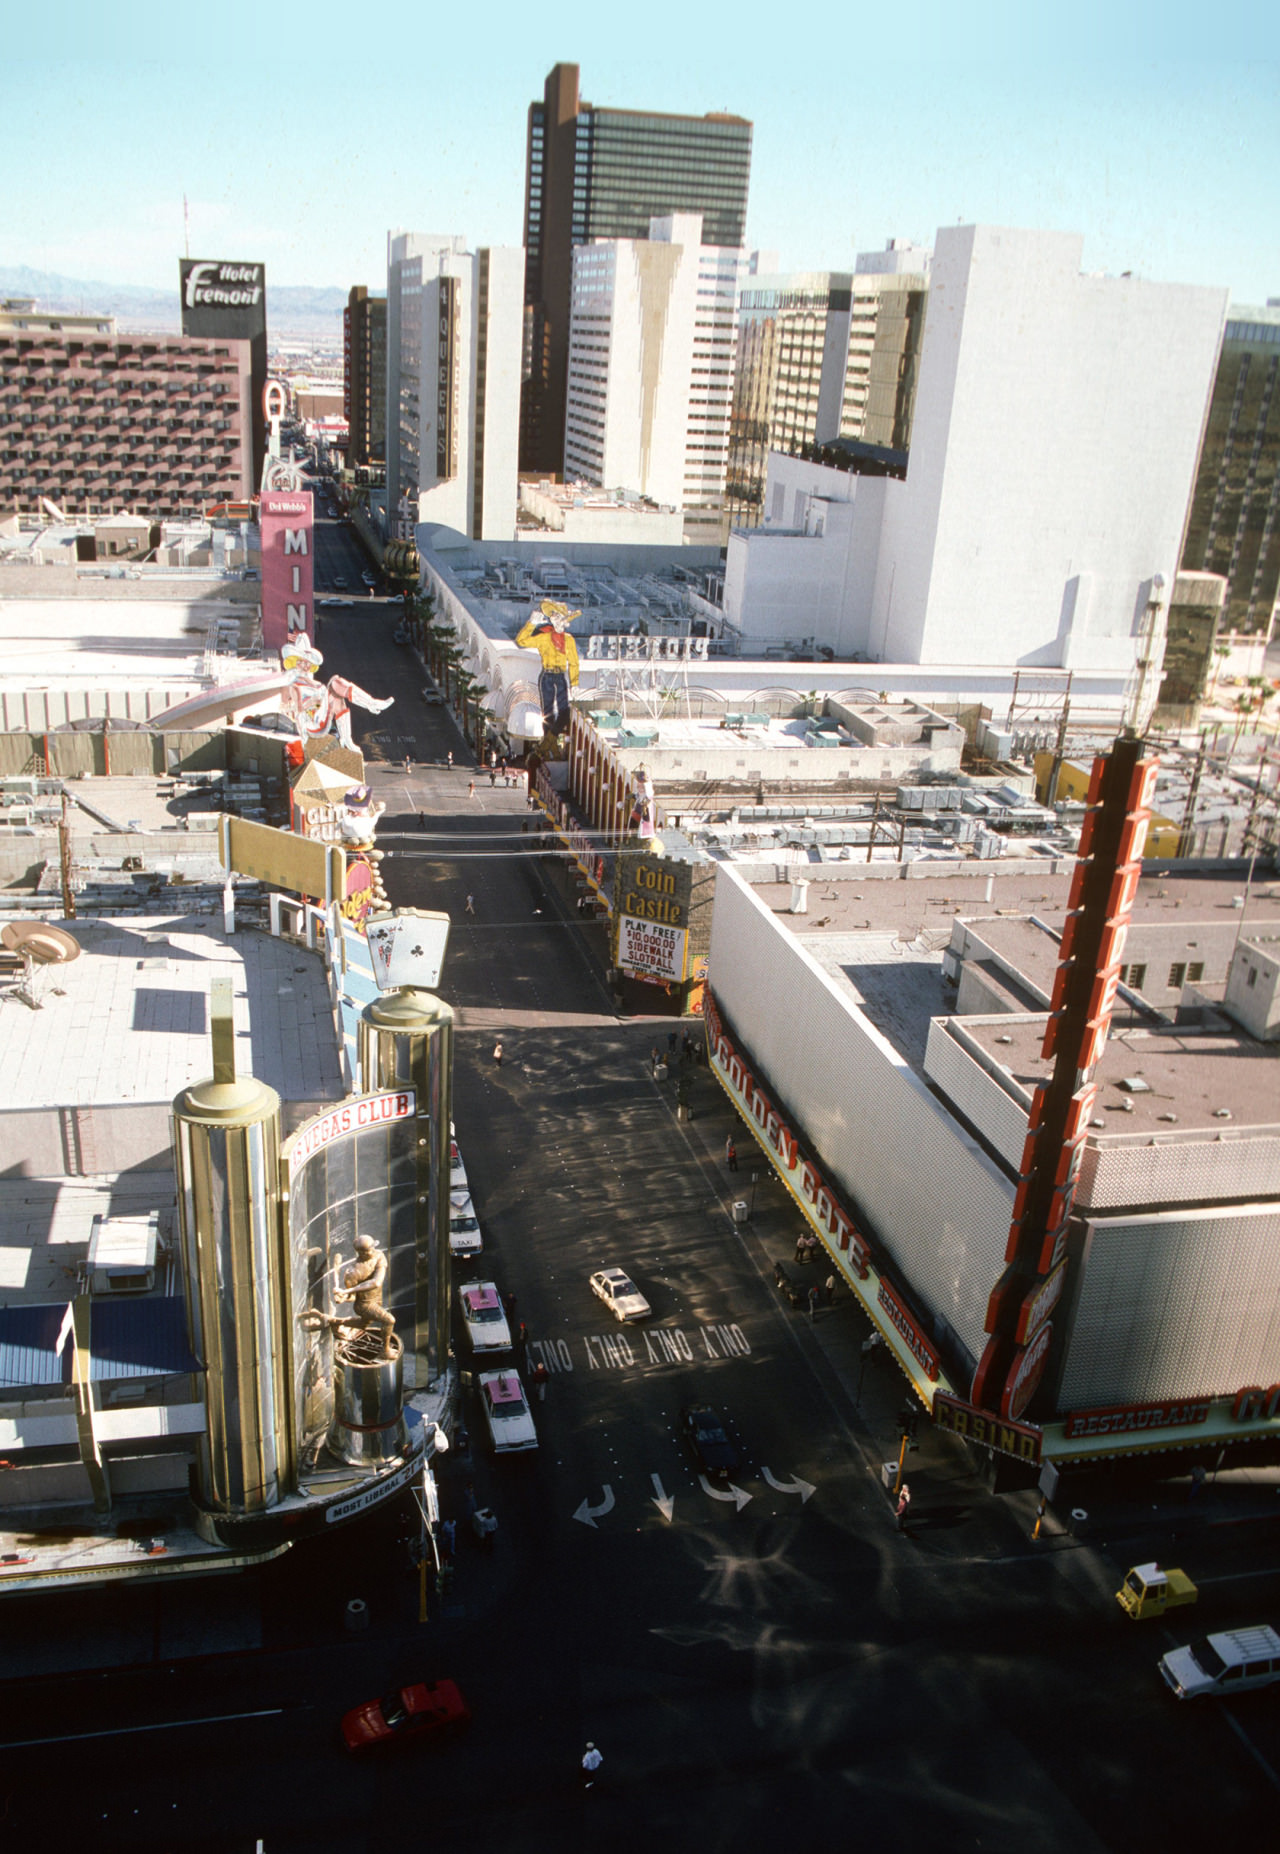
{"type": "Point", "coordinates": [1088, 977]}
{"type": "Point", "coordinates": [883, 1302]}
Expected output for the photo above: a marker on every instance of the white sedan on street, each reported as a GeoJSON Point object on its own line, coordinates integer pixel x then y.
{"type": "Point", "coordinates": [620, 1294]}
{"type": "Point", "coordinates": [457, 1170]}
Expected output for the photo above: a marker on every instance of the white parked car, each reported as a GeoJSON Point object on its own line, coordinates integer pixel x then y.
{"type": "Point", "coordinates": [506, 1412]}
{"type": "Point", "coordinates": [1236, 1661]}
{"type": "Point", "coordinates": [620, 1294]}
{"type": "Point", "coordinates": [457, 1170]}
{"type": "Point", "coordinates": [483, 1320]}
{"type": "Point", "coordinates": [464, 1225]}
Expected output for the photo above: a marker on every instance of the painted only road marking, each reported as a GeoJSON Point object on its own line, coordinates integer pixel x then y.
{"type": "Point", "coordinates": [554, 1353]}
{"type": "Point", "coordinates": [657, 1345]}
{"type": "Point", "coordinates": [664, 1501]}
{"type": "Point", "coordinates": [730, 1492]}
{"type": "Point", "coordinates": [803, 1488]}
{"type": "Point", "coordinates": [132, 1731]}
{"type": "Point", "coordinates": [654, 1345]}
{"type": "Point", "coordinates": [589, 1514]}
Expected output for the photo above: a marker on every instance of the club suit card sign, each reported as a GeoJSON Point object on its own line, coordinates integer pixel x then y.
{"type": "Point", "coordinates": [407, 947]}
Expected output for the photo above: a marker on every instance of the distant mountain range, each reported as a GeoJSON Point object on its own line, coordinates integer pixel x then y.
{"type": "Point", "coordinates": [298, 310]}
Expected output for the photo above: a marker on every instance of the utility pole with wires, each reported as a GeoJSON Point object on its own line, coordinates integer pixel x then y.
{"type": "Point", "coordinates": [1186, 836]}
{"type": "Point", "coordinates": [64, 862]}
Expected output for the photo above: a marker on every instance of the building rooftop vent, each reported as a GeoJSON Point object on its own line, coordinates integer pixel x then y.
{"type": "Point", "coordinates": [1134, 1084]}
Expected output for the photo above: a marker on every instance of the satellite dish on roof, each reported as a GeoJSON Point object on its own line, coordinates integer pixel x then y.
{"type": "Point", "coordinates": [40, 946]}
{"type": "Point", "coordinates": [47, 945]}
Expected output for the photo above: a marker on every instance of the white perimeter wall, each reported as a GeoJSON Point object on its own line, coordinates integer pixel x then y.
{"type": "Point", "coordinates": [929, 1197]}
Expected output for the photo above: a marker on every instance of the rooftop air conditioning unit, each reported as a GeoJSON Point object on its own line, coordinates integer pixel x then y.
{"type": "Point", "coordinates": [122, 1254]}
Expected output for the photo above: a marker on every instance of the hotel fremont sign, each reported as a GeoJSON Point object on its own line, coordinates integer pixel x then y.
{"type": "Point", "coordinates": [224, 301]}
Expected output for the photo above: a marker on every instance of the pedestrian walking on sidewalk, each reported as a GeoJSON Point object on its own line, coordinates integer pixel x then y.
{"type": "Point", "coordinates": [903, 1508]}
{"type": "Point", "coordinates": [731, 1154]}
{"type": "Point", "coordinates": [422, 820]}
{"type": "Point", "coordinates": [591, 1762]}
{"type": "Point", "coordinates": [497, 1055]}
{"type": "Point", "coordinates": [493, 776]}
{"type": "Point", "coordinates": [471, 904]}
{"type": "Point", "coordinates": [448, 758]}
{"type": "Point", "coordinates": [813, 1302]}
{"type": "Point", "coordinates": [471, 789]}
{"type": "Point", "coordinates": [830, 1286]}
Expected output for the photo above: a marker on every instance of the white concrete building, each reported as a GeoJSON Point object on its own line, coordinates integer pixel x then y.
{"type": "Point", "coordinates": [598, 517]}
{"type": "Point", "coordinates": [455, 323]}
{"type": "Point", "coordinates": [651, 356]}
{"type": "Point", "coordinates": [1053, 448]}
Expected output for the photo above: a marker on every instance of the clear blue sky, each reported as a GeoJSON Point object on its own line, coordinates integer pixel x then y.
{"type": "Point", "coordinates": [1152, 129]}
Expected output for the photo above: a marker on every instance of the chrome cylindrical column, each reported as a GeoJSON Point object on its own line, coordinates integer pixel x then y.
{"type": "Point", "coordinates": [406, 1040]}
{"type": "Point", "coordinates": [368, 1428]}
{"type": "Point", "coordinates": [235, 1267]}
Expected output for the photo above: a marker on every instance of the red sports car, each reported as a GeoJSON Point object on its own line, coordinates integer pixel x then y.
{"type": "Point", "coordinates": [407, 1713]}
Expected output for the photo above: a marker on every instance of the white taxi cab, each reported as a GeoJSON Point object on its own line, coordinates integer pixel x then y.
{"type": "Point", "coordinates": [483, 1321]}
{"type": "Point", "coordinates": [506, 1413]}
{"type": "Point", "coordinates": [465, 1236]}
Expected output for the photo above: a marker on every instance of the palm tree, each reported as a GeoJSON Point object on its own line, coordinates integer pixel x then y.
{"type": "Point", "coordinates": [1220, 652]}
{"type": "Point", "coordinates": [436, 640]}
{"type": "Point", "coordinates": [1244, 708]}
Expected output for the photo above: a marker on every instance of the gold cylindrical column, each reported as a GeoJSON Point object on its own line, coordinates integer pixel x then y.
{"type": "Point", "coordinates": [227, 1145]}
{"type": "Point", "coordinates": [406, 1040]}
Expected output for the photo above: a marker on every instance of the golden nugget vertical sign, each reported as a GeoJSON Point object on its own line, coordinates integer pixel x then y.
{"type": "Point", "coordinates": [651, 919]}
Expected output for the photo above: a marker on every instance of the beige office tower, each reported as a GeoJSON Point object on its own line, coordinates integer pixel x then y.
{"type": "Point", "coordinates": [823, 358]}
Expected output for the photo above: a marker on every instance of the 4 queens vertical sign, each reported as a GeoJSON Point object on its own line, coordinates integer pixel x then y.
{"type": "Point", "coordinates": [1088, 978]}
{"type": "Point", "coordinates": [288, 602]}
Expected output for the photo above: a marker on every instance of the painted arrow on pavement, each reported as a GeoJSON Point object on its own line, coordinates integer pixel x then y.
{"type": "Point", "coordinates": [724, 1493]}
{"type": "Point", "coordinates": [803, 1488]}
{"type": "Point", "coordinates": [664, 1501]}
{"type": "Point", "coordinates": [589, 1514]}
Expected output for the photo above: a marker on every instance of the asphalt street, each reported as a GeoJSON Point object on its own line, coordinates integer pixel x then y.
{"type": "Point", "coordinates": [763, 1663]}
